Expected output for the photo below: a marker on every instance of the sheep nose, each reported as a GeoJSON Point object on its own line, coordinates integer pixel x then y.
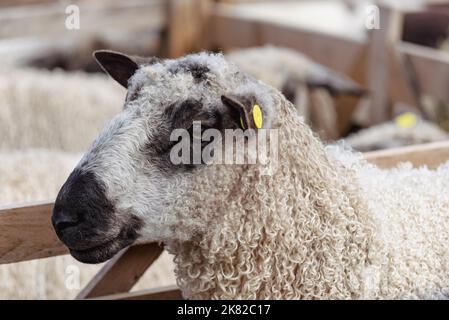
{"type": "Point", "coordinates": [62, 219]}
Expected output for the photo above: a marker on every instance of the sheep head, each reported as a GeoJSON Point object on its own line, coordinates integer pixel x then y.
{"type": "Point", "coordinates": [124, 188]}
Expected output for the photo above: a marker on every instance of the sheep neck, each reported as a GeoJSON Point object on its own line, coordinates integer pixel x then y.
{"type": "Point", "coordinates": [301, 233]}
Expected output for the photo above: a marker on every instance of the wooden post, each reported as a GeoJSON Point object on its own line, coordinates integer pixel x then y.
{"type": "Point", "coordinates": [186, 26]}
{"type": "Point", "coordinates": [347, 104]}
{"type": "Point", "coordinates": [431, 67]}
{"type": "Point", "coordinates": [121, 272]}
{"type": "Point", "coordinates": [379, 61]}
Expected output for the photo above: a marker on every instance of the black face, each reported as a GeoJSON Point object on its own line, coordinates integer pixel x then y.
{"type": "Point", "coordinates": [87, 222]}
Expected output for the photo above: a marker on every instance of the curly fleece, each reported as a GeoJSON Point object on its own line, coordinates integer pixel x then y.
{"type": "Point", "coordinates": [326, 225]}
{"type": "Point", "coordinates": [301, 233]}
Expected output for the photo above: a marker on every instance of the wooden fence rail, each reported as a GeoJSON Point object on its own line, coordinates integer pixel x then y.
{"type": "Point", "coordinates": [163, 293]}
{"type": "Point", "coordinates": [26, 233]}
{"type": "Point", "coordinates": [429, 154]}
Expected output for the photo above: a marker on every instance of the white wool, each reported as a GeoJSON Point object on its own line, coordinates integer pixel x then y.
{"type": "Point", "coordinates": [410, 210]}
{"type": "Point", "coordinates": [272, 65]}
{"type": "Point", "coordinates": [390, 135]}
{"type": "Point", "coordinates": [33, 174]}
{"type": "Point", "coordinates": [47, 109]}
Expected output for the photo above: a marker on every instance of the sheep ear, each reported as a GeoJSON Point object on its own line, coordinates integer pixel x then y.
{"type": "Point", "coordinates": [118, 65]}
{"type": "Point", "coordinates": [335, 82]}
{"type": "Point", "coordinates": [245, 111]}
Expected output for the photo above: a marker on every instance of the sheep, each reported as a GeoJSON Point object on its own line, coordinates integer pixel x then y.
{"type": "Point", "coordinates": [43, 105]}
{"type": "Point", "coordinates": [40, 143]}
{"type": "Point", "coordinates": [311, 87]}
{"type": "Point", "coordinates": [436, 111]}
{"type": "Point", "coordinates": [323, 224]}
{"type": "Point", "coordinates": [76, 55]}
{"type": "Point", "coordinates": [391, 134]}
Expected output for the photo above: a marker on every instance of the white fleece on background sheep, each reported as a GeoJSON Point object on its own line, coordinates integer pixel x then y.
{"type": "Point", "coordinates": [53, 109]}
{"type": "Point", "coordinates": [273, 65]}
{"type": "Point", "coordinates": [390, 135]}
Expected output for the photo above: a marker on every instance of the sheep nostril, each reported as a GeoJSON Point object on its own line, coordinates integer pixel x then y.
{"type": "Point", "coordinates": [62, 220]}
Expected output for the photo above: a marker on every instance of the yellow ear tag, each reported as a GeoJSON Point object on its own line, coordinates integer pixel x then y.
{"type": "Point", "coordinates": [241, 123]}
{"type": "Point", "coordinates": [406, 120]}
{"type": "Point", "coordinates": [257, 116]}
